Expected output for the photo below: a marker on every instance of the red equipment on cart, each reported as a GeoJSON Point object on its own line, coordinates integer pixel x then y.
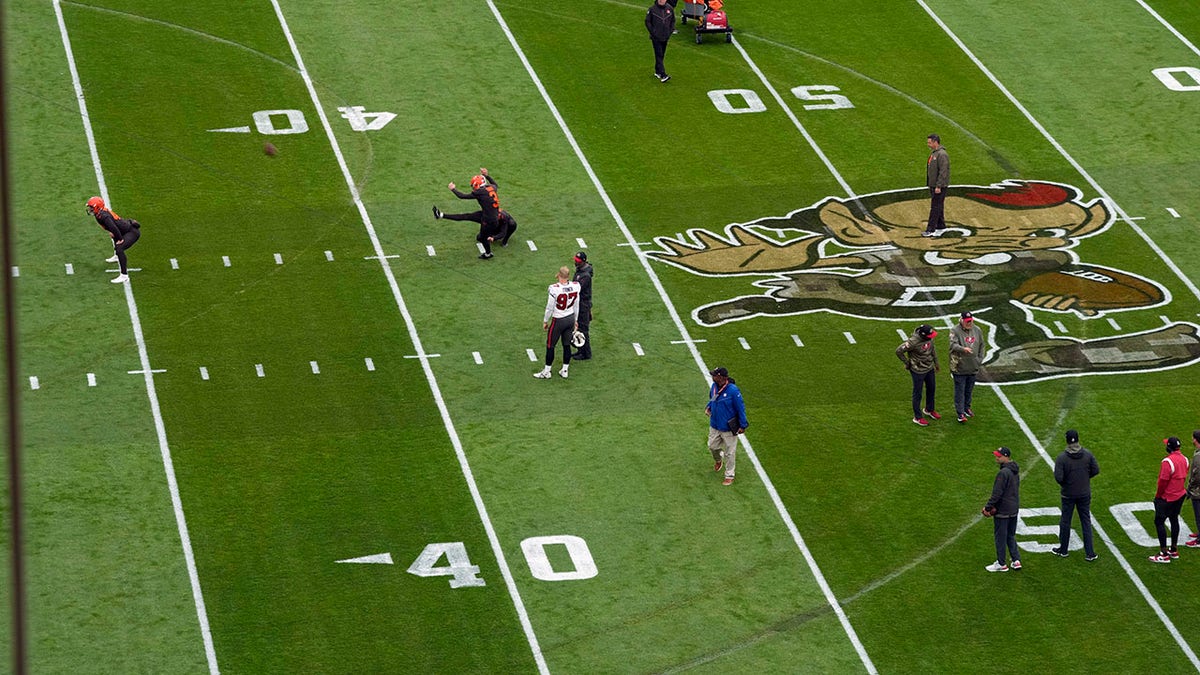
{"type": "Point", "coordinates": [709, 18]}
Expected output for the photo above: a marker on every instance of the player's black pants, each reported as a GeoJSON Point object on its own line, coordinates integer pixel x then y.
{"type": "Point", "coordinates": [559, 331]}
{"type": "Point", "coordinates": [128, 239]}
{"type": "Point", "coordinates": [585, 320]}
{"type": "Point", "coordinates": [1069, 506]}
{"type": "Point", "coordinates": [660, 50]}
{"type": "Point", "coordinates": [937, 211]}
{"type": "Point", "coordinates": [930, 384]}
{"type": "Point", "coordinates": [1164, 511]}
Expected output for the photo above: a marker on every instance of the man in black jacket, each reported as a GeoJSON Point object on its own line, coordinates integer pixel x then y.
{"type": "Point", "coordinates": [583, 275]}
{"type": "Point", "coordinates": [1004, 505]}
{"type": "Point", "coordinates": [1073, 470]}
{"type": "Point", "coordinates": [660, 23]}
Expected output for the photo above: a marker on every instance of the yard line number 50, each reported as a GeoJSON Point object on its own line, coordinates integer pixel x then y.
{"type": "Point", "coordinates": [463, 574]}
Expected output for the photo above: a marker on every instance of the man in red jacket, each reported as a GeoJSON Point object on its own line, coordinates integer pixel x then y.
{"type": "Point", "coordinates": [1168, 499]}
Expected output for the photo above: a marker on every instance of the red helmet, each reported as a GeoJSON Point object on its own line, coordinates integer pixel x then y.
{"type": "Point", "coordinates": [95, 204]}
{"type": "Point", "coordinates": [478, 181]}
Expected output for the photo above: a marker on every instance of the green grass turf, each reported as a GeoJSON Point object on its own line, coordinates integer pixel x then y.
{"type": "Point", "coordinates": [282, 475]}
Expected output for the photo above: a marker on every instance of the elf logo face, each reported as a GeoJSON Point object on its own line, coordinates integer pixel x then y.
{"type": "Point", "coordinates": [1007, 254]}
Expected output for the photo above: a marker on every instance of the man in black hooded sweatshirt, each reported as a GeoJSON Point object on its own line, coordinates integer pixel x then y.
{"type": "Point", "coordinates": [1073, 470]}
{"type": "Point", "coordinates": [1004, 505]}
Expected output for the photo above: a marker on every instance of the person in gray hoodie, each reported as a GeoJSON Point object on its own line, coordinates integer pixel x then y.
{"type": "Point", "coordinates": [1074, 470]}
{"type": "Point", "coordinates": [1003, 506]}
{"type": "Point", "coordinates": [920, 358]}
{"type": "Point", "coordinates": [966, 345]}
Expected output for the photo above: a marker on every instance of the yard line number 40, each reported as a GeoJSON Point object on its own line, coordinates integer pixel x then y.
{"type": "Point", "coordinates": [463, 574]}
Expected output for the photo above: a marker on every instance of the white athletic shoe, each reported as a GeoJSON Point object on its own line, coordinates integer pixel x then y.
{"type": "Point", "coordinates": [112, 259]}
{"type": "Point", "coordinates": [120, 279]}
{"type": "Point", "coordinates": [563, 372]}
{"type": "Point", "coordinates": [997, 567]}
{"type": "Point", "coordinates": [543, 374]}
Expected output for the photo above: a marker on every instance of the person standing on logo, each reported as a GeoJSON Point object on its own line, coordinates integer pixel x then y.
{"type": "Point", "coordinates": [966, 340]}
{"type": "Point", "coordinates": [1168, 499]}
{"type": "Point", "coordinates": [1004, 505]}
{"type": "Point", "coordinates": [937, 177]}
{"type": "Point", "coordinates": [920, 358]}
{"type": "Point", "coordinates": [660, 23]}
{"type": "Point", "coordinates": [1074, 470]}
{"type": "Point", "coordinates": [726, 419]}
{"type": "Point", "coordinates": [560, 321]}
{"type": "Point", "coordinates": [583, 277]}
{"type": "Point", "coordinates": [1193, 491]}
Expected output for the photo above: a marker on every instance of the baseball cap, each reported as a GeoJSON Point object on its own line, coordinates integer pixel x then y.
{"type": "Point", "coordinates": [1072, 436]}
{"type": "Point", "coordinates": [926, 331]}
{"type": "Point", "coordinates": [1002, 452]}
{"type": "Point", "coordinates": [967, 316]}
{"type": "Point", "coordinates": [1172, 443]}
{"type": "Point", "coordinates": [581, 257]}
{"type": "Point", "coordinates": [719, 371]}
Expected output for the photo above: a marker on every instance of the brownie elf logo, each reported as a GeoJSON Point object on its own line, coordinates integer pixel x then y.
{"type": "Point", "coordinates": [1007, 253]}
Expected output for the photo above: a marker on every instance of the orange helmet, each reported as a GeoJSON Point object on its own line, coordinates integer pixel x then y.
{"type": "Point", "coordinates": [95, 204]}
{"type": "Point", "coordinates": [478, 181]}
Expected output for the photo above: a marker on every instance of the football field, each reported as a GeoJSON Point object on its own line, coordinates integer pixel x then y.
{"type": "Point", "coordinates": [304, 437]}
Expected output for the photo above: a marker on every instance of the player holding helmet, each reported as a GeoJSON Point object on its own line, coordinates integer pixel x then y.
{"type": "Point", "coordinates": [124, 233]}
{"type": "Point", "coordinates": [494, 222]}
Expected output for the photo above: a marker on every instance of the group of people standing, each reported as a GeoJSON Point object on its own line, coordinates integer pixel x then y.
{"type": "Point", "coordinates": [1074, 469]}
{"type": "Point", "coordinates": [919, 356]}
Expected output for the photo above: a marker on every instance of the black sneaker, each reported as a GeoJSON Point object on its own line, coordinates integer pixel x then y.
{"type": "Point", "coordinates": [664, 78]}
{"type": "Point", "coordinates": [1092, 558]}
{"type": "Point", "coordinates": [437, 213]}
{"type": "Point", "coordinates": [1059, 552]}
{"type": "Point", "coordinates": [486, 256]}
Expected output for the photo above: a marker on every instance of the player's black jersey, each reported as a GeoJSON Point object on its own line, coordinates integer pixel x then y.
{"type": "Point", "coordinates": [117, 227]}
{"type": "Point", "coordinates": [489, 201]}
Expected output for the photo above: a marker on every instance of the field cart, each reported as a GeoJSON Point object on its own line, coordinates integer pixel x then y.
{"type": "Point", "coordinates": [709, 18]}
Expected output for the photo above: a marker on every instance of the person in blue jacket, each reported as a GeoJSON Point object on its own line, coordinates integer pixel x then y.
{"type": "Point", "coordinates": [726, 419]}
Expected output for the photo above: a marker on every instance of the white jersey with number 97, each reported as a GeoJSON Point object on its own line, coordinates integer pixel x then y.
{"type": "Point", "coordinates": [564, 301]}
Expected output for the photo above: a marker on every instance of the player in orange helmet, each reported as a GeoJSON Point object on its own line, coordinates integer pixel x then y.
{"type": "Point", "coordinates": [494, 222]}
{"type": "Point", "coordinates": [124, 233]}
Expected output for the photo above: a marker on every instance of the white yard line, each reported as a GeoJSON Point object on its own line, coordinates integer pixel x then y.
{"type": "Point", "coordinates": [1133, 576]}
{"type": "Point", "coordinates": [501, 560]}
{"type": "Point", "coordinates": [631, 241]}
{"type": "Point", "coordinates": [148, 373]}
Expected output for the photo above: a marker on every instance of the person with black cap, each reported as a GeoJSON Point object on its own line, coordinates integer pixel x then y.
{"type": "Point", "coordinates": [726, 419]}
{"type": "Point", "coordinates": [583, 276]}
{"type": "Point", "coordinates": [1074, 470]}
{"type": "Point", "coordinates": [966, 341]}
{"type": "Point", "coordinates": [920, 358]}
{"type": "Point", "coordinates": [1168, 499]}
{"type": "Point", "coordinates": [1193, 491]}
{"type": "Point", "coordinates": [1003, 506]}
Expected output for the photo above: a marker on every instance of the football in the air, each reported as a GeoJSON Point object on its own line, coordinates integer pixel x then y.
{"type": "Point", "coordinates": [269, 149]}
{"type": "Point", "coordinates": [1094, 288]}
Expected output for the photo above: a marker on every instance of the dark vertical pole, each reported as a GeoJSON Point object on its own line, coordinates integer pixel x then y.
{"type": "Point", "coordinates": [7, 236]}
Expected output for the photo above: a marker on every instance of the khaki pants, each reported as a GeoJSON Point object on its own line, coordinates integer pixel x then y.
{"type": "Point", "coordinates": [723, 446]}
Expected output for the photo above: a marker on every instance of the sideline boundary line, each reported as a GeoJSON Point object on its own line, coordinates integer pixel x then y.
{"type": "Point", "coordinates": [691, 344]}
{"type": "Point", "coordinates": [421, 355]}
{"type": "Point", "coordinates": [1169, 27]}
{"type": "Point", "coordinates": [148, 373]}
{"type": "Point", "coordinates": [1187, 650]}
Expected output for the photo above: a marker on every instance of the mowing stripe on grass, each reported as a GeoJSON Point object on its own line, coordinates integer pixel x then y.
{"type": "Point", "coordinates": [210, 652]}
{"type": "Point", "coordinates": [509, 582]}
{"type": "Point", "coordinates": [997, 388]}
{"type": "Point", "coordinates": [631, 241]}
{"type": "Point", "coordinates": [1169, 27]}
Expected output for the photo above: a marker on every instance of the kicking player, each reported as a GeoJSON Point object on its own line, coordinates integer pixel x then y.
{"type": "Point", "coordinates": [124, 233]}
{"type": "Point", "coordinates": [494, 222]}
{"type": "Point", "coordinates": [560, 321]}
